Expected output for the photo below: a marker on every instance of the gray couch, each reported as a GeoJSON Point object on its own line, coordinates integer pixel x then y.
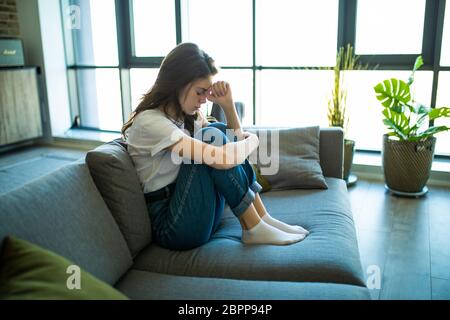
{"type": "Point", "coordinates": [72, 212]}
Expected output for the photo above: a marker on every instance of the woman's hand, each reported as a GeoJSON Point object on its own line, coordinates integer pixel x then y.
{"type": "Point", "coordinates": [220, 93]}
{"type": "Point", "coordinates": [252, 141]}
{"type": "Point", "coordinates": [251, 136]}
{"type": "Point", "coordinates": [246, 134]}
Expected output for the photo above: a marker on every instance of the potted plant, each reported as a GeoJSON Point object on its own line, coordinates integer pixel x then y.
{"type": "Point", "coordinates": [408, 147]}
{"type": "Point", "coordinates": [337, 104]}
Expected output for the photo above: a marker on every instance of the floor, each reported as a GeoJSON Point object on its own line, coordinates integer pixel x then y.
{"type": "Point", "coordinates": [407, 239]}
{"type": "Point", "coordinates": [404, 243]}
{"type": "Point", "coordinates": [27, 163]}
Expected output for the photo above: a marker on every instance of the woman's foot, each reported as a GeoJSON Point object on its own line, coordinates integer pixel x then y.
{"type": "Point", "coordinates": [284, 226]}
{"type": "Point", "coordinates": [264, 233]}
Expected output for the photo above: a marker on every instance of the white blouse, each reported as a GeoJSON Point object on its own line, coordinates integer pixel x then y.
{"type": "Point", "coordinates": [148, 138]}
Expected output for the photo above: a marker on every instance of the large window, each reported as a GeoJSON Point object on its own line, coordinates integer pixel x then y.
{"type": "Point", "coordinates": [222, 28]}
{"type": "Point", "coordinates": [242, 86]}
{"type": "Point", "coordinates": [292, 97]}
{"type": "Point", "coordinates": [277, 55]}
{"type": "Point", "coordinates": [227, 38]}
{"type": "Point", "coordinates": [153, 27]}
{"type": "Point", "coordinates": [445, 53]}
{"type": "Point", "coordinates": [142, 79]}
{"type": "Point", "coordinates": [94, 34]}
{"type": "Point", "coordinates": [92, 56]}
{"type": "Point", "coordinates": [99, 98]}
{"type": "Point", "coordinates": [443, 94]}
{"type": "Point", "coordinates": [296, 33]}
{"type": "Point", "coordinates": [389, 26]}
{"type": "Point", "coordinates": [443, 99]}
{"type": "Point", "coordinates": [365, 124]}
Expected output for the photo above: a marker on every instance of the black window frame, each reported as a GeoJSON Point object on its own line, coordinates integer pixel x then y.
{"type": "Point", "coordinates": [346, 32]}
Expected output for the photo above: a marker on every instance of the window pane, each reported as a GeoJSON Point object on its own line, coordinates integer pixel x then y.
{"type": "Point", "coordinates": [292, 97]}
{"type": "Point", "coordinates": [389, 27]}
{"type": "Point", "coordinates": [141, 81]}
{"type": "Point", "coordinates": [241, 82]}
{"type": "Point", "coordinates": [100, 100]}
{"type": "Point", "coordinates": [365, 118]}
{"type": "Point", "coordinates": [154, 27]}
{"type": "Point", "coordinates": [445, 53]}
{"type": "Point", "coordinates": [227, 37]}
{"type": "Point", "coordinates": [296, 33]}
{"type": "Point", "coordinates": [95, 41]}
{"type": "Point", "coordinates": [443, 100]}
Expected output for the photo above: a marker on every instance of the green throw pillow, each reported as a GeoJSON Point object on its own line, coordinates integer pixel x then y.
{"type": "Point", "coordinates": [28, 271]}
{"type": "Point", "coordinates": [261, 180]}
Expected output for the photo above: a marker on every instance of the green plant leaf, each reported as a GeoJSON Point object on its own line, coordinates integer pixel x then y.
{"type": "Point", "coordinates": [393, 94]}
{"type": "Point", "coordinates": [417, 64]}
{"type": "Point", "coordinates": [412, 109]}
{"type": "Point", "coordinates": [397, 122]}
{"type": "Point", "coordinates": [431, 131]}
{"type": "Point", "coordinates": [396, 131]}
{"type": "Point", "coordinates": [419, 122]}
{"type": "Point", "coordinates": [439, 112]}
{"type": "Point", "coordinates": [422, 109]}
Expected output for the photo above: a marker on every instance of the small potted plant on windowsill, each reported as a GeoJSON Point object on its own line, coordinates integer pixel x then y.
{"type": "Point", "coordinates": [408, 148]}
{"type": "Point", "coordinates": [346, 60]}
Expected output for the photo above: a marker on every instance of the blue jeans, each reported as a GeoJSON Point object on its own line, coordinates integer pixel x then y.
{"type": "Point", "coordinates": [189, 217]}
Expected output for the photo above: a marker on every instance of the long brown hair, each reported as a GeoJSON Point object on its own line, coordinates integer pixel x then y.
{"type": "Point", "coordinates": [183, 65]}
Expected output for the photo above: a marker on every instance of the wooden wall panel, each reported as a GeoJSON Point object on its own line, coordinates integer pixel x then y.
{"type": "Point", "coordinates": [20, 113]}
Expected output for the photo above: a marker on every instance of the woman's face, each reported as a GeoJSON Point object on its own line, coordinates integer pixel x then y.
{"type": "Point", "coordinates": [194, 95]}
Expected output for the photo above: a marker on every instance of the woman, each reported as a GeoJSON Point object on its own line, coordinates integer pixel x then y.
{"type": "Point", "coordinates": [186, 200]}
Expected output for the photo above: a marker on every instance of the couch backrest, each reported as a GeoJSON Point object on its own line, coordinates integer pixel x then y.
{"type": "Point", "coordinates": [64, 212]}
{"type": "Point", "coordinates": [116, 178]}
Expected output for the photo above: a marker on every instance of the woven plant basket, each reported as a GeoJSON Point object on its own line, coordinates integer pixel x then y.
{"type": "Point", "coordinates": [406, 164]}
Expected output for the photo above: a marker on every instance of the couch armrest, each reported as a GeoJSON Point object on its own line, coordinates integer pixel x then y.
{"type": "Point", "coordinates": [332, 152]}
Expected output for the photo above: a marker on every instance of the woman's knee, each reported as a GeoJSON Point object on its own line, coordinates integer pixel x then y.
{"type": "Point", "coordinates": [227, 131]}
{"type": "Point", "coordinates": [212, 135]}
{"type": "Point", "coordinates": [219, 125]}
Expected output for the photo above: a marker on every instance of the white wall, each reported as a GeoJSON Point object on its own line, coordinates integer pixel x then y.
{"type": "Point", "coordinates": [41, 31]}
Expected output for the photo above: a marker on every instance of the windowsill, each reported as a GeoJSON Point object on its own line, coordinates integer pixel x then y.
{"type": "Point", "coordinates": [92, 135]}
{"type": "Point", "coordinates": [84, 139]}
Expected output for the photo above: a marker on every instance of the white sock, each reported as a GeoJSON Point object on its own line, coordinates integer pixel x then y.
{"type": "Point", "coordinates": [264, 233]}
{"type": "Point", "coordinates": [284, 226]}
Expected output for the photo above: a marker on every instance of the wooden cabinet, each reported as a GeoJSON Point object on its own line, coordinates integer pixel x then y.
{"type": "Point", "coordinates": [20, 112]}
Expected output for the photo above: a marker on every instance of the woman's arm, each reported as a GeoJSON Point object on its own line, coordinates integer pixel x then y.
{"type": "Point", "coordinates": [221, 94]}
{"type": "Point", "coordinates": [219, 157]}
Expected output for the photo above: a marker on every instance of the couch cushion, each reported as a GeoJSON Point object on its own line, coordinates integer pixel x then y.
{"type": "Point", "coordinates": [329, 254]}
{"type": "Point", "coordinates": [64, 212]}
{"type": "Point", "coordinates": [296, 160]}
{"type": "Point", "coordinates": [28, 271]}
{"type": "Point", "coordinates": [115, 176]}
{"type": "Point", "coordinates": [148, 285]}
{"type": "Point", "coordinates": [261, 180]}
